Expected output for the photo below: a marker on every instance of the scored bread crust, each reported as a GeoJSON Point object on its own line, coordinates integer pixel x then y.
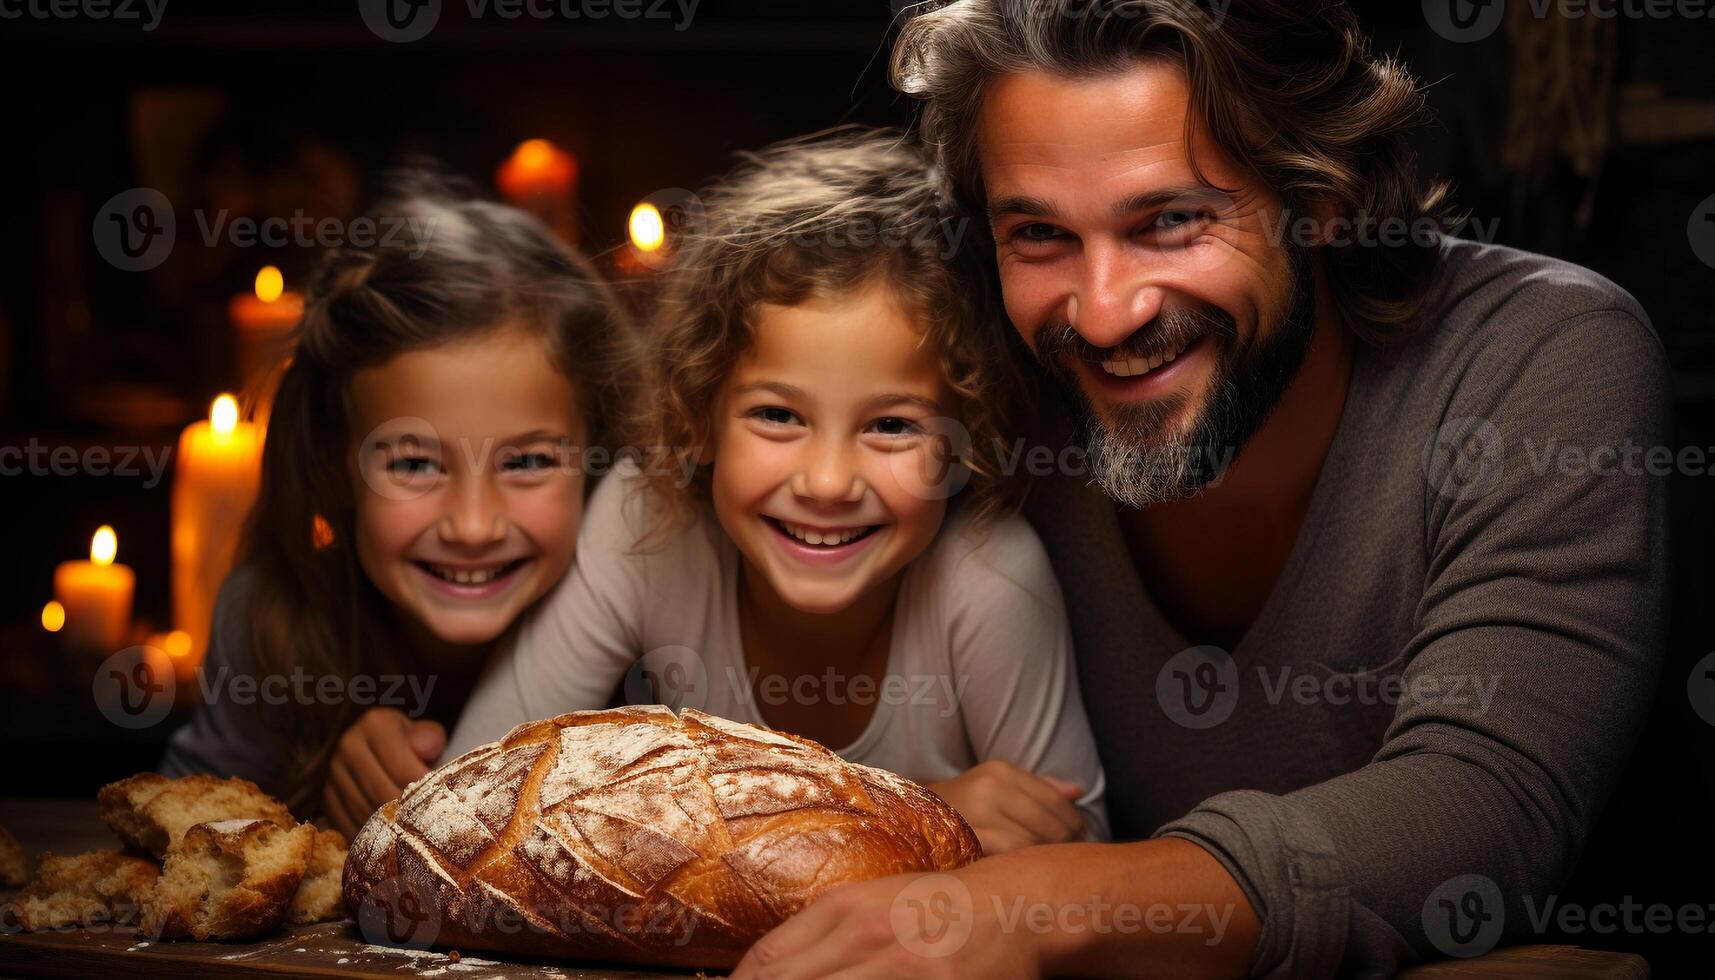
{"type": "Point", "coordinates": [634, 835]}
{"type": "Point", "coordinates": [151, 812]}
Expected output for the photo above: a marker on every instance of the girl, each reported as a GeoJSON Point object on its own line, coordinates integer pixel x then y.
{"type": "Point", "coordinates": [821, 349]}
{"type": "Point", "coordinates": [421, 487]}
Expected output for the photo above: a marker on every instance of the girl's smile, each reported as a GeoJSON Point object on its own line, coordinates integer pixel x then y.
{"type": "Point", "coordinates": [822, 440]}
{"type": "Point", "coordinates": [467, 509]}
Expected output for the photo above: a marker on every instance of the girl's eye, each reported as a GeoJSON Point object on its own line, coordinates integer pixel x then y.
{"type": "Point", "coordinates": [529, 463]}
{"type": "Point", "coordinates": [894, 426]}
{"type": "Point", "coordinates": [774, 415]}
{"type": "Point", "coordinates": [410, 465]}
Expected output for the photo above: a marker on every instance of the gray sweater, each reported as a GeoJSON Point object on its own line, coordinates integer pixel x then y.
{"type": "Point", "coordinates": [1427, 715]}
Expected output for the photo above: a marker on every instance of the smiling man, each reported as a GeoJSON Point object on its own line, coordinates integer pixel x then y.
{"type": "Point", "coordinates": [1364, 646]}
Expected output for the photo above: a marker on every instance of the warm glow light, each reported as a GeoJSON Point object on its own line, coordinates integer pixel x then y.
{"type": "Point", "coordinates": [104, 546]}
{"type": "Point", "coordinates": [269, 284]}
{"type": "Point", "coordinates": [534, 154]}
{"type": "Point", "coordinates": [178, 643]}
{"type": "Point", "coordinates": [321, 532]}
{"type": "Point", "coordinates": [223, 414]}
{"type": "Point", "coordinates": [53, 616]}
{"type": "Point", "coordinates": [648, 231]}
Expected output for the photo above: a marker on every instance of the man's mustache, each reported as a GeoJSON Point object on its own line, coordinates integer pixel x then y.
{"type": "Point", "coordinates": [1173, 330]}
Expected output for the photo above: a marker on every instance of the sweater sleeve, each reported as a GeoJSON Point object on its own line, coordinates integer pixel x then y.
{"type": "Point", "coordinates": [574, 646]}
{"type": "Point", "coordinates": [1012, 662]}
{"type": "Point", "coordinates": [1543, 605]}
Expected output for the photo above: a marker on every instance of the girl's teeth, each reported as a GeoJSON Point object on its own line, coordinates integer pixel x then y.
{"type": "Point", "coordinates": [810, 535]}
{"type": "Point", "coordinates": [465, 576]}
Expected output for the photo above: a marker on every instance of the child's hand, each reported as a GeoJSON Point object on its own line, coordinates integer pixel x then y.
{"type": "Point", "coordinates": [376, 758]}
{"type": "Point", "coordinates": [1010, 808]}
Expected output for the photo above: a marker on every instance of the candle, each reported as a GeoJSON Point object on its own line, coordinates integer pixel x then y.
{"type": "Point", "coordinates": [94, 597]}
{"type": "Point", "coordinates": [542, 179]}
{"type": "Point", "coordinates": [214, 485]}
{"type": "Point", "coordinates": [264, 319]}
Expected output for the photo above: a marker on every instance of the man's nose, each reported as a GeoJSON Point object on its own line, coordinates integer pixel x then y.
{"type": "Point", "coordinates": [475, 513]}
{"type": "Point", "coordinates": [829, 475]}
{"type": "Point", "coordinates": [1114, 297]}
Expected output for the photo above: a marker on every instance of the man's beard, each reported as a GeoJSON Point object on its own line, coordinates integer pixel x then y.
{"type": "Point", "coordinates": [1132, 456]}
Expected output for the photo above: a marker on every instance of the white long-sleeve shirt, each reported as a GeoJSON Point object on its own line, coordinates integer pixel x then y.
{"type": "Point", "coordinates": [980, 665]}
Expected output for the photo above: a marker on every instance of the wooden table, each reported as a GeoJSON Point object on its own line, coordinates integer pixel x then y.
{"type": "Point", "coordinates": [337, 949]}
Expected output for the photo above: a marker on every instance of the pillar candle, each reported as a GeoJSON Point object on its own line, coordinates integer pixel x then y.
{"type": "Point", "coordinates": [214, 485]}
{"type": "Point", "coordinates": [96, 597]}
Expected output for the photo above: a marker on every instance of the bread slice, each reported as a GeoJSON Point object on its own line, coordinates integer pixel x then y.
{"type": "Point", "coordinates": [318, 898]}
{"type": "Point", "coordinates": [14, 870]}
{"type": "Point", "coordinates": [231, 879]}
{"type": "Point", "coordinates": [84, 890]}
{"type": "Point", "coordinates": [151, 812]}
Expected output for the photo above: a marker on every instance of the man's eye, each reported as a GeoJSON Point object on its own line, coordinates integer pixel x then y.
{"type": "Point", "coordinates": [1036, 233]}
{"type": "Point", "coordinates": [774, 415]}
{"type": "Point", "coordinates": [1171, 220]}
{"type": "Point", "coordinates": [894, 426]}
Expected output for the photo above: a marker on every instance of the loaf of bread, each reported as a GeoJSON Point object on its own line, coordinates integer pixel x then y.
{"type": "Point", "coordinates": [231, 879]}
{"type": "Point", "coordinates": [14, 869]}
{"type": "Point", "coordinates": [637, 836]}
{"type": "Point", "coordinates": [151, 812]}
{"type": "Point", "coordinates": [83, 890]}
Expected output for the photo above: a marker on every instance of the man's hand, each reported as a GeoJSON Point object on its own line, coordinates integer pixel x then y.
{"type": "Point", "coordinates": [1157, 908]}
{"type": "Point", "coordinates": [922, 925]}
{"type": "Point", "coordinates": [1010, 808]}
{"type": "Point", "coordinates": [376, 758]}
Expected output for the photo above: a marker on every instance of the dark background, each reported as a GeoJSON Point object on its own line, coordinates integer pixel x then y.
{"type": "Point", "coordinates": [268, 106]}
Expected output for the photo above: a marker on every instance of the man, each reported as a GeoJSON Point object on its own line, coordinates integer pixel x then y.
{"type": "Point", "coordinates": [1364, 569]}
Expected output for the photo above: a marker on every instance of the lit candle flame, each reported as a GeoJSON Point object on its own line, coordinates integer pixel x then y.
{"type": "Point", "coordinates": [534, 154]}
{"type": "Point", "coordinates": [104, 546]}
{"type": "Point", "coordinates": [53, 616]}
{"type": "Point", "coordinates": [648, 230]}
{"type": "Point", "coordinates": [270, 284]}
{"type": "Point", "coordinates": [223, 415]}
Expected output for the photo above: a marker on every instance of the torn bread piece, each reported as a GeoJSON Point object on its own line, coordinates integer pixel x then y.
{"type": "Point", "coordinates": [318, 898]}
{"type": "Point", "coordinates": [83, 890]}
{"type": "Point", "coordinates": [151, 812]}
{"type": "Point", "coordinates": [230, 879]}
{"type": "Point", "coordinates": [14, 870]}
